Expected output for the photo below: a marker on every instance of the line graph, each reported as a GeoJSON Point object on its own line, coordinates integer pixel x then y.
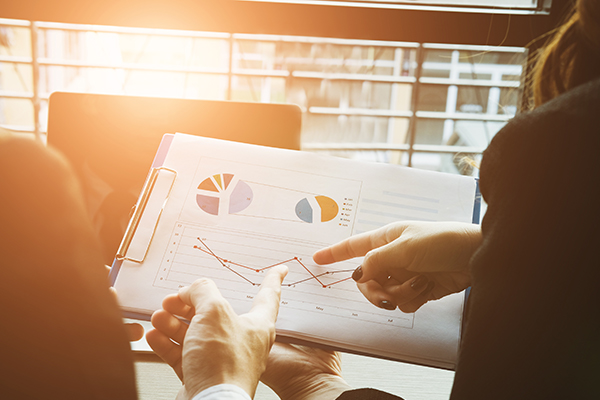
{"type": "Point", "coordinates": [294, 260]}
{"type": "Point", "coordinates": [238, 260]}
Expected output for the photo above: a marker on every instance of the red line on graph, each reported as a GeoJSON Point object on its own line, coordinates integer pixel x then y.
{"type": "Point", "coordinates": [279, 263]}
{"type": "Point", "coordinates": [341, 280]}
{"type": "Point", "coordinates": [226, 264]}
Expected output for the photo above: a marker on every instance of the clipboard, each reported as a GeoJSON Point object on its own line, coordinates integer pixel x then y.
{"type": "Point", "coordinates": [145, 215]}
{"type": "Point", "coordinates": [272, 181]}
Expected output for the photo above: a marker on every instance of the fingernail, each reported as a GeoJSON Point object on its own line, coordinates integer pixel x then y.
{"type": "Point", "coordinates": [387, 305]}
{"type": "Point", "coordinates": [357, 274]}
{"type": "Point", "coordinates": [419, 282]}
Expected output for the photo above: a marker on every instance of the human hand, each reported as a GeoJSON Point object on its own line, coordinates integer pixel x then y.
{"type": "Point", "coordinates": [134, 331]}
{"type": "Point", "coordinates": [407, 264]}
{"type": "Point", "coordinates": [293, 372]}
{"type": "Point", "coordinates": [298, 372]}
{"type": "Point", "coordinates": [218, 346]}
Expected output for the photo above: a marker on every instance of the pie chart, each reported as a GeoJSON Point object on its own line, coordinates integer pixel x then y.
{"type": "Point", "coordinates": [317, 209]}
{"type": "Point", "coordinates": [222, 194]}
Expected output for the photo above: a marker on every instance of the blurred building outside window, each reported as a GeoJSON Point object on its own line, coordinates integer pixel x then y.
{"type": "Point", "coordinates": [419, 104]}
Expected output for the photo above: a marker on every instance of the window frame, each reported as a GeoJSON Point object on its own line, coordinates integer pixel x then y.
{"type": "Point", "coordinates": [423, 26]}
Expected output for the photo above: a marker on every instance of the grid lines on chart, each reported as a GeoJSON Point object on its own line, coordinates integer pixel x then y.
{"type": "Point", "coordinates": [237, 261]}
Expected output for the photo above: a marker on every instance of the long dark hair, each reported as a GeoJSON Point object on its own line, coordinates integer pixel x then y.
{"type": "Point", "coordinates": [572, 56]}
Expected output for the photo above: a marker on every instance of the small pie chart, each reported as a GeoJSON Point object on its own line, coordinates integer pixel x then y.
{"type": "Point", "coordinates": [222, 194]}
{"type": "Point", "coordinates": [317, 209]}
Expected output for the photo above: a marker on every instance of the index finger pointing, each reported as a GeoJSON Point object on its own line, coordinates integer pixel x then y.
{"type": "Point", "coordinates": [267, 299]}
{"type": "Point", "coordinates": [354, 246]}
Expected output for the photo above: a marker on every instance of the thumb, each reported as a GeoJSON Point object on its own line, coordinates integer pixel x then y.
{"type": "Point", "coordinates": [199, 294]}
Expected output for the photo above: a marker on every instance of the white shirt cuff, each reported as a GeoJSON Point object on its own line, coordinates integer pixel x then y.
{"type": "Point", "coordinates": [223, 391]}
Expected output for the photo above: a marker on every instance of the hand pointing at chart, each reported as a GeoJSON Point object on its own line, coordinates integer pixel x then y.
{"type": "Point", "coordinates": [218, 346]}
{"type": "Point", "coordinates": [407, 264]}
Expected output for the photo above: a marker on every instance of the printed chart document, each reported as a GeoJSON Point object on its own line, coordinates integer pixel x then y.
{"type": "Point", "coordinates": [230, 211]}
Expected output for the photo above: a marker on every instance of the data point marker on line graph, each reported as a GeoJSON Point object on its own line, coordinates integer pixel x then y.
{"type": "Point", "coordinates": [231, 265]}
{"type": "Point", "coordinates": [237, 260]}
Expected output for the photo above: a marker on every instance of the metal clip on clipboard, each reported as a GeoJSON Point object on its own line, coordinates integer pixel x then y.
{"type": "Point", "coordinates": [146, 215]}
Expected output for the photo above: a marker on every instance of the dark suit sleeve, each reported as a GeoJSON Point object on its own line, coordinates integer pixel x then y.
{"type": "Point", "coordinates": [533, 328]}
{"type": "Point", "coordinates": [61, 333]}
{"type": "Point", "coordinates": [367, 394]}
